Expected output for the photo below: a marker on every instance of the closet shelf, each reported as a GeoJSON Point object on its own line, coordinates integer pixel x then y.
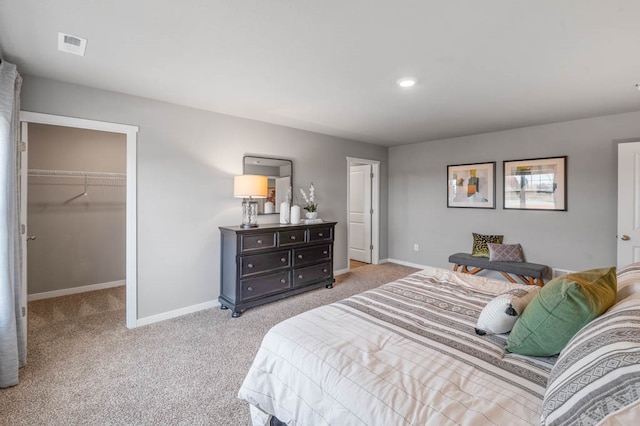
{"type": "Point", "coordinates": [74, 173]}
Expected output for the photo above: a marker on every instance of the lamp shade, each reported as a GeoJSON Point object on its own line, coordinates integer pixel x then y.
{"type": "Point", "coordinates": [250, 186]}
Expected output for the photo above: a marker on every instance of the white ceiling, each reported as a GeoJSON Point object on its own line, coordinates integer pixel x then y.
{"type": "Point", "coordinates": [330, 66]}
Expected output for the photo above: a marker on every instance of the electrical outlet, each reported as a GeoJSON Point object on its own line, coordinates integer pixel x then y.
{"type": "Point", "coordinates": [416, 247]}
{"type": "Point", "coordinates": [559, 272]}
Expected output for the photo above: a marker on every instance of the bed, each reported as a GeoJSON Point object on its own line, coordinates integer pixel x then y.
{"type": "Point", "coordinates": [405, 353]}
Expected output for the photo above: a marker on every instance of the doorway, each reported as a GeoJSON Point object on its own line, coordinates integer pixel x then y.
{"type": "Point", "coordinates": [130, 133]}
{"type": "Point", "coordinates": [628, 203]}
{"type": "Point", "coordinates": [363, 195]}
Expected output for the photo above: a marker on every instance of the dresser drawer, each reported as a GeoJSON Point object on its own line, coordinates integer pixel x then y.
{"type": "Point", "coordinates": [259, 263]}
{"type": "Point", "coordinates": [256, 287]}
{"type": "Point", "coordinates": [292, 237]}
{"type": "Point", "coordinates": [311, 274]}
{"type": "Point", "coordinates": [321, 234]}
{"type": "Point", "coordinates": [257, 241]}
{"type": "Point", "coordinates": [307, 255]}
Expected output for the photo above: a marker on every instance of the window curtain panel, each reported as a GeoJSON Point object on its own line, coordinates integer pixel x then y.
{"type": "Point", "coordinates": [13, 336]}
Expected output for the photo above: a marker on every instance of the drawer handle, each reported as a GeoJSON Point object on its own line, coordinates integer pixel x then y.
{"type": "Point", "coordinates": [250, 288]}
{"type": "Point", "coordinates": [320, 234]}
{"type": "Point", "coordinates": [259, 241]}
{"type": "Point", "coordinates": [300, 276]}
{"type": "Point", "coordinates": [325, 270]}
{"type": "Point", "coordinates": [293, 237]}
{"type": "Point", "coordinates": [250, 266]}
{"type": "Point", "coordinates": [324, 252]}
{"type": "Point", "coordinates": [283, 259]}
{"type": "Point", "coordinates": [299, 256]}
{"type": "Point", "coordinates": [283, 281]}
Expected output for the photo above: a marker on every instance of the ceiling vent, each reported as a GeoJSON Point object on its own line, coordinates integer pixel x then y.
{"type": "Point", "coordinates": [71, 44]}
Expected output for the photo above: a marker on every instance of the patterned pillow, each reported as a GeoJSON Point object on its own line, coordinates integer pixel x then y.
{"type": "Point", "coordinates": [597, 374]}
{"type": "Point", "coordinates": [629, 274]}
{"type": "Point", "coordinates": [480, 242]}
{"type": "Point", "coordinates": [505, 252]}
{"type": "Point", "coordinates": [499, 315]}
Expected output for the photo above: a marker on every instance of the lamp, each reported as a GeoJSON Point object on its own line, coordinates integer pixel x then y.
{"type": "Point", "coordinates": [249, 187]}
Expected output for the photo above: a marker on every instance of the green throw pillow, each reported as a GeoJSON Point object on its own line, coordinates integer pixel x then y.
{"type": "Point", "coordinates": [560, 309]}
{"type": "Point", "coordinates": [480, 248]}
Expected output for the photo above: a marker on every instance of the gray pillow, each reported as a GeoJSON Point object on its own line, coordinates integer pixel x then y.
{"type": "Point", "coordinates": [505, 252]}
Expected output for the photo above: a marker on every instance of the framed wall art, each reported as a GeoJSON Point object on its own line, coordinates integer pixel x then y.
{"type": "Point", "coordinates": [536, 184]}
{"type": "Point", "coordinates": [472, 185]}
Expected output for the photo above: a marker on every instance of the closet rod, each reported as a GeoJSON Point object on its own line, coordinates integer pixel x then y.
{"type": "Point", "coordinates": [72, 173]}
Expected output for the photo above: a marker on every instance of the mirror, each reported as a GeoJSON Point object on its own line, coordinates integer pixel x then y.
{"type": "Point", "coordinates": [280, 177]}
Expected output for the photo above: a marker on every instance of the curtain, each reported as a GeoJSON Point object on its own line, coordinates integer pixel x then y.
{"type": "Point", "coordinates": [13, 332]}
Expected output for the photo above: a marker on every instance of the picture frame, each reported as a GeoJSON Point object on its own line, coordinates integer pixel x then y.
{"type": "Point", "coordinates": [535, 184]}
{"type": "Point", "coordinates": [471, 185]}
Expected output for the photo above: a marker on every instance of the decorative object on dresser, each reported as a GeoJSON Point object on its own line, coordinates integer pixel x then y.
{"type": "Point", "coordinates": [295, 215]}
{"type": "Point", "coordinates": [249, 187]}
{"type": "Point", "coordinates": [262, 265]}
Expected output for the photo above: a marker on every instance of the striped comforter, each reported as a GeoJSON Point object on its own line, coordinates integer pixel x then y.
{"type": "Point", "coordinates": [403, 354]}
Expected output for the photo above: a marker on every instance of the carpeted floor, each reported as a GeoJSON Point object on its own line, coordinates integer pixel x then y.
{"type": "Point", "coordinates": [86, 368]}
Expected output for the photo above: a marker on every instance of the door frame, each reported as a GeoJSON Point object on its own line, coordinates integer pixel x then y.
{"type": "Point", "coordinates": [375, 205]}
{"type": "Point", "coordinates": [625, 216]}
{"type": "Point", "coordinates": [131, 133]}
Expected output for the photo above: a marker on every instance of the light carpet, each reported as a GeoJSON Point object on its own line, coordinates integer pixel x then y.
{"type": "Point", "coordinates": [86, 368]}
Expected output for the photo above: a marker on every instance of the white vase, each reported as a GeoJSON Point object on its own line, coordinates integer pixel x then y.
{"type": "Point", "coordinates": [295, 215]}
{"type": "Point", "coordinates": [311, 215]}
{"type": "Point", "coordinates": [284, 213]}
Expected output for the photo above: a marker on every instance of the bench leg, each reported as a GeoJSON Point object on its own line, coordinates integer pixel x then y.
{"type": "Point", "coordinates": [527, 280]}
{"type": "Point", "coordinates": [466, 270]}
{"type": "Point", "coordinates": [507, 276]}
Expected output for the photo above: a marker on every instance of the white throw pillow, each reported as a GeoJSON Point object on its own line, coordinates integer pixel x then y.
{"type": "Point", "coordinates": [499, 315]}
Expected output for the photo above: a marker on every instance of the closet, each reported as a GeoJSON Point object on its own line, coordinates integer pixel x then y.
{"type": "Point", "coordinates": [76, 210]}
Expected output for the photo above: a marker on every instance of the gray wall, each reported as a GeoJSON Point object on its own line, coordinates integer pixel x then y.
{"type": "Point", "coordinates": [583, 237]}
{"type": "Point", "coordinates": [186, 162]}
{"type": "Point", "coordinates": [80, 241]}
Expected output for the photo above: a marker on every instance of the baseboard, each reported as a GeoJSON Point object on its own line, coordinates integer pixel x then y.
{"type": "Point", "coordinates": [74, 290]}
{"type": "Point", "coordinates": [341, 271]}
{"type": "Point", "coordinates": [403, 263]}
{"type": "Point", "coordinates": [176, 313]}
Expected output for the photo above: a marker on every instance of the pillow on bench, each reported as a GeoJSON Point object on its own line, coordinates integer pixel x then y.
{"type": "Point", "coordinates": [505, 252]}
{"type": "Point", "coordinates": [480, 242]}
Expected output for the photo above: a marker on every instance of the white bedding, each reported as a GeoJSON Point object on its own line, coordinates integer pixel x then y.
{"type": "Point", "coordinates": [405, 353]}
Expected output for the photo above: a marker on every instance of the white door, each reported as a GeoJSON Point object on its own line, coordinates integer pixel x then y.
{"type": "Point", "coordinates": [360, 213]}
{"type": "Point", "coordinates": [628, 203]}
{"type": "Point", "coordinates": [23, 207]}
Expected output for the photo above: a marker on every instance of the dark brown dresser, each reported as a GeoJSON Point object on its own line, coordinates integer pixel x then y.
{"type": "Point", "coordinates": [271, 262]}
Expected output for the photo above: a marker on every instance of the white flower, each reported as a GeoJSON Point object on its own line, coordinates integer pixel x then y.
{"type": "Point", "coordinates": [310, 204]}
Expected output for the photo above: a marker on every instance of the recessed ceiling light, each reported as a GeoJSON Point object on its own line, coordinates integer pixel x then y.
{"type": "Point", "coordinates": [406, 82]}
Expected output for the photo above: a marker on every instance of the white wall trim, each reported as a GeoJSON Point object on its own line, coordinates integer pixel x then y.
{"type": "Point", "coordinates": [79, 123]}
{"type": "Point", "coordinates": [340, 271]}
{"type": "Point", "coordinates": [411, 264]}
{"type": "Point", "coordinates": [132, 207]}
{"type": "Point", "coordinates": [177, 313]}
{"type": "Point", "coordinates": [75, 290]}
{"type": "Point", "coordinates": [375, 204]}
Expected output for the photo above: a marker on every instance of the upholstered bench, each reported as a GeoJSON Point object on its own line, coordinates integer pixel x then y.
{"type": "Point", "coordinates": [529, 273]}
